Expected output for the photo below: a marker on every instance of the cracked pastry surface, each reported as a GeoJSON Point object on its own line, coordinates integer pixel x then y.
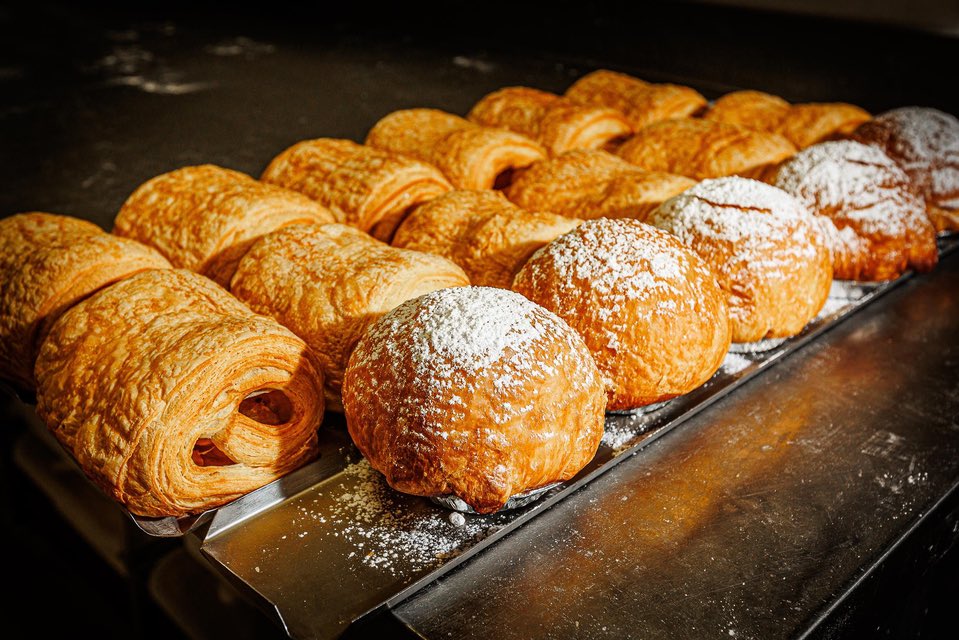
{"type": "Point", "coordinates": [147, 383]}
{"type": "Point", "coordinates": [48, 263]}
{"type": "Point", "coordinates": [204, 218]}
{"type": "Point", "coordinates": [475, 392]}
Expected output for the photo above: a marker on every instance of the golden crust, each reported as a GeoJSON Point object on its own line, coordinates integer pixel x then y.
{"type": "Point", "coordinates": [559, 124]}
{"type": "Point", "coordinates": [802, 124]}
{"type": "Point", "coordinates": [642, 103]}
{"type": "Point", "coordinates": [204, 218]}
{"type": "Point", "coordinates": [471, 156]}
{"type": "Point", "coordinates": [474, 392]}
{"type": "Point", "coordinates": [648, 308]}
{"type": "Point", "coordinates": [925, 143]}
{"type": "Point", "coordinates": [764, 248]}
{"type": "Point", "coordinates": [482, 232]}
{"type": "Point", "coordinates": [704, 149]}
{"type": "Point", "coordinates": [364, 187]}
{"type": "Point", "coordinates": [48, 263]}
{"type": "Point", "coordinates": [328, 283]}
{"type": "Point", "coordinates": [133, 378]}
{"type": "Point", "coordinates": [594, 184]}
{"type": "Point", "coordinates": [862, 192]}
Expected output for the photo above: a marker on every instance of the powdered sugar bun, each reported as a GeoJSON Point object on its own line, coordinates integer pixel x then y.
{"type": "Point", "coordinates": [763, 247]}
{"type": "Point", "coordinates": [925, 143]}
{"type": "Point", "coordinates": [475, 392]}
{"type": "Point", "coordinates": [859, 187]}
{"type": "Point", "coordinates": [649, 309]}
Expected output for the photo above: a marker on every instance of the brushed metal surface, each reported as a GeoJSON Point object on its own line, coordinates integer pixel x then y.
{"type": "Point", "coordinates": [753, 518]}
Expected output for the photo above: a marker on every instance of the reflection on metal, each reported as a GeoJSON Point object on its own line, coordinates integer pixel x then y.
{"type": "Point", "coordinates": [455, 503]}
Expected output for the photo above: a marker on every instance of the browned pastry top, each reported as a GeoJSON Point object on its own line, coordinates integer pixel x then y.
{"type": "Point", "coordinates": [925, 143]}
{"type": "Point", "coordinates": [558, 123]}
{"type": "Point", "coordinates": [47, 264]}
{"type": "Point", "coordinates": [327, 283]}
{"type": "Point", "coordinates": [471, 156]}
{"type": "Point", "coordinates": [764, 248]}
{"type": "Point", "coordinates": [880, 226]}
{"type": "Point", "coordinates": [649, 308]}
{"type": "Point", "coordinates": [145, 382]}
{"type": "Point", "coordinates": [364, 187]}
{"type": "Point", "coordinates": [704, 149]}
{"type": "Point", "coordinates": [475, 392]}
{"type": "Point", "coordinates": [481, 231]}
{"type": "Point", "coordinates": [204, 218]}
{"type": "Point", "coordinates": [594, 184]}
{"type": "Point", "coordinates": [643, 103]}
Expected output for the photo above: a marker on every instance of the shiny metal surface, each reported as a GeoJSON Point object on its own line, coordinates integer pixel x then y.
{"type": "Point", "coordinates": [753, 518]}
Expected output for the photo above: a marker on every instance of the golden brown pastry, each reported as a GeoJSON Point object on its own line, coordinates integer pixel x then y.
{"type": "Point", "coordinates": [649, 309]}
{"type": "Point", "coordinates": [48, 263]}
{"type": "Point", "coordinates": [328, 283]}
{"type": "Point", "coordinates": [704, 149]}
{"type": "Point", "coordinates": [471, 156]}
{"type": "Point", "coordinates": [556, 122]}
{"type": "Point", "coordinates": [364, 187]}
{"type": "Point", "coordinates": [876, 225]}
{"type": "Point", "coordinates": [174, 397]}
{"type": "Point", "coordinates": [802, 124]}
{"type": "Point", "coordinates": [204, 218]}
{"type": "Point", "coordinates": [763, 247]}
{"type": "Point", "coordinates": [594, 184]}
{"type": "Point", "coordinates": [474, 392]}
{"type": "Point", "coordinates": [482, 232]}
{"type": "Point", "coordinates": [643, 103]}
{"type": "Point", "coordinates": [925, 143]}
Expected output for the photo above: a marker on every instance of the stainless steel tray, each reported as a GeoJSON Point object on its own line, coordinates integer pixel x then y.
{"type": "Point", "coordinates": [331, 544]}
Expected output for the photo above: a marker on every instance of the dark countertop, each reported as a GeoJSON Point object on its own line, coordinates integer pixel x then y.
{"type": "Point", "coordinates": [755, 518]}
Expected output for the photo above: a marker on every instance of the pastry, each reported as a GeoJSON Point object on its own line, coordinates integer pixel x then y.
{"type": "Point", "coordinates": [802, 124]}
{"type": "Point", "coordinates": [482, 232]}
{"type": "Point", "coordinates": [594, 184]}
{"type": "Point", "coordinates": [764, 248]}
{"type": "Point", "coordinates": [174, 397]}
{"type": "Point", "coordinates": [204, 218]}
{"type": "Point", "coordinates": [704, 149]}
{"type": "Point", "coordinates": [474, 392]}
{"type": "Point", "coordinates": [557, 123]}
{"type": "Point", "coordinates": [643, 103]}
{"type": "Point", "coordinates": [364, 187]}
{"type": "Point", "coordinates": [48, 263]}
{"type": "Point", "coordinates": [649, 309]}
{"type": "Point", "coordinates": [328, 283]}
{"type": "Point", "coordinates": [925, 143]}
{"type": "Point", "coordinates": [880, 227]}
{"type": "Point", "coordinates": [471, 156]}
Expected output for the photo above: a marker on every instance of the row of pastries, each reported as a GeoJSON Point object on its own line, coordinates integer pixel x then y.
{"type": "Point", "coordinates": [473, 293]}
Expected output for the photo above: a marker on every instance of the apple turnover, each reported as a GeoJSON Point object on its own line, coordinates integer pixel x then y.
{"type": "Point", "coordinates": [174, 397]}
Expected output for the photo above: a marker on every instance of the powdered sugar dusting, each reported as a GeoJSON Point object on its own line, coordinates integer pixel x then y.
{"type": "Point", "coordinates": [854, 184]}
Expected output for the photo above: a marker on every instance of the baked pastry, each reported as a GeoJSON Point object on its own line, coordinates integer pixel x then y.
{"type": "Point", "coordinates": [474, 392]}
{"type": "Point", "coordinates": [174, 397]}
{"type": "Point", "coordinates": [364, 187]}
{"type": "Point", "coordinates": [802, 124]}
{"type": "Point", "coordinates": [925, 143]}
{"type": "Point", "coordinates": [48, 263]}
{"type": "Point", "coordinates": [594, 184]}
{"type": "Point", "coordinates": [204, 218]}
{"type": "Point", "coordinates": [328, 283]}
{"type": "Point", "coordinates": [643, 103]}
{"type": "Point", "coordinates": [763, 247]}
{"type": "Point", "coordinates": [482, 232]}
{"type": "Point", "coordinates": [704, 149]}
{"type": "Point", "coordinates": [556, 122]}
{"type": "Point", "coordinates": [471, 156]}
{"type": "Point", "coordinates": [877, 227]}
{"type": "Point", "coordinates": [649, 309]}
